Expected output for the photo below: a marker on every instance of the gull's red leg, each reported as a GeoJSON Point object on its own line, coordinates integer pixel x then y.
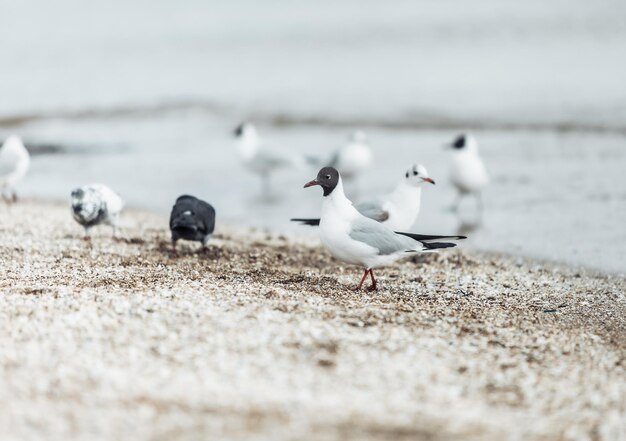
{"type": "Point", "coordinates": [373, 286]}
{"type": "Point", "coordinates": [363, 279]}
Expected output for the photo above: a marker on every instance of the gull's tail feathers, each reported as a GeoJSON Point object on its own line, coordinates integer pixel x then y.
{"type": "Point", "coordinates": [311, 222]}
{"type": "Point", "coordinates": [437, 245]}
{"type": "Point", "coordinates": [429, 238]}
{"type": "Point", "coordinates": [432, 242]}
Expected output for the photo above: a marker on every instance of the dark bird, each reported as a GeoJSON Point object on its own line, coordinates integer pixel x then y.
{"type": "Point", "coordinates": [191, 219]}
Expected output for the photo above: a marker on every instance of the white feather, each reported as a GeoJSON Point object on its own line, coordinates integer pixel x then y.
{"type": "Point", "coordinates": [96, 204]}
{"type": "Point", "coordinates": [14, 162]}
{"type": "Point", "coordinates": [354, 157]}
{"type": "Point", "coordinates": [467, 172]}
{"type": "Point", "coordinates": [402, 205]}
{"type": "Point", "coordinates": [256, 157]}
{"type": "Point", "coordinates": [337, 220]}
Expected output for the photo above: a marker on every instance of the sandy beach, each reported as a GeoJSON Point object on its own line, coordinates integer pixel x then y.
{"type": "Point", "coordinates": [263, 337]}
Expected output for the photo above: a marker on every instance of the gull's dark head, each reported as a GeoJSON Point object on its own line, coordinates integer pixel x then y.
{"type": "Point", "coordinates": [464, 143]}
{"type": "Point", "coordinates": [86, 204]}
{"type": "Point", "coordinates": [459, 142]}
{"type": "Point", "coordinates": [78, 193]}
{"type": "Point", "coordinates": [245, 129]}
{"type": "Point", "coordinates": [239, 129]}
{"type": "Point", "coordinates": [327, 178]}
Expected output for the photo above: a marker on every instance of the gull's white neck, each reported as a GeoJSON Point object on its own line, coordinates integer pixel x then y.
{"type": "Point", "coordinates": [405, 203]}
{"type": "Point", "coordinates": [337, 204]}
{"type": "Point", "coordinates": [471, 149]}
{"type": "Point", "coordinates": [14, 149]}
{"type": "Point", "coordinates": [406, 195]}
{"type": "Point", "coordinates": [248, 144]}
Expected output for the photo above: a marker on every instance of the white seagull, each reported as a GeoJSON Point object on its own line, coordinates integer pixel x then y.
{"type": "Point", "coordinates": [353, 238]}
{"type": "Point", "coordinates": [96, 204]}
{"type": "Point", "coordinates": [256, 157]}
{"type": "Point", "coordinates": [467, 172]}
{"type": "Point", "coordinates": [397, 210]}
{"type": "Point", "coordinates": [354, 157]}
{"type": "Point", "coordinates": [14, 163]}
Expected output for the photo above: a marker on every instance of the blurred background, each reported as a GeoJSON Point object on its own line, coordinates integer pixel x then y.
{"type": "Point", "coordinates": [144, 95]}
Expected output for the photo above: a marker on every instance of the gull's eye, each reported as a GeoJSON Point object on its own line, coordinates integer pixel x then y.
{"type": "Point", "coordinates": [327, 176]}
{"type": "Point", "coordinates": [414, 173]}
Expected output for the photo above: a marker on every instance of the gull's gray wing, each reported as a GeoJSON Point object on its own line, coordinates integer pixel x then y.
{"type": "Point", "coordinates": [382, 238]}
{"type": "Point", "coordinates": [373, 210]}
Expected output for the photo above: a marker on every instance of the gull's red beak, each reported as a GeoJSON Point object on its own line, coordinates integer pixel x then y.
{"type": "Point", "coordinates": [311, 183]}
{"type": "Point", "coordinates": [428, 180]}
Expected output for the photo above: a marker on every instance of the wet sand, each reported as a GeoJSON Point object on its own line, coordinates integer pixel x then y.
{"type": "Point", "coordinates": [263, 337]}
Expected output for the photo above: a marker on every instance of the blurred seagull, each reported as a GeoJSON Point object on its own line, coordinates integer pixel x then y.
{"type": "Point", "coordinates": [468, 173]}
{"type": "Point", "coordinates": [191, 219]}
{"type": "Point", "coordinates": [96, 204]}
{"type": "Point", "coordinates": [351, 159]}
{"type": "Point", "coordinates": [399, 209]}
{"type": "Point", "coordinates": [354, 157]}
{"type": "Point", "coordinates": [255, 157]}
{"type": "Point", "coordinates": [14, 163]}
{"type": "Point", "coordinates": [356, 239]}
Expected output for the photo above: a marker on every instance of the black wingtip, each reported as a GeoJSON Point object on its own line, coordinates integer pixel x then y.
{"type": "Point", "coordinates": [429, 237]}
{"type": "Point", "coordinates": [437, 245]}
{"type": "Point", "coordinates": [311, 222]}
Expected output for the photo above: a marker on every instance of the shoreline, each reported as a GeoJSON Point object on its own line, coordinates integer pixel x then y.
{"type": "Point", "coordinates": [414, 120]}
{"type": "Point", "coordinates": [263, 336]}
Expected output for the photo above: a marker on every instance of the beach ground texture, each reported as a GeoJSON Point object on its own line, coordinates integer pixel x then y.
{"type": "Point", "coordinates": [263, 337]}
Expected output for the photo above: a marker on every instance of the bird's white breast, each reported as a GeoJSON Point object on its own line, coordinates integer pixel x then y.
{"type": "Point", "coordinates": [468, 172]}
{"type": "Point", "coordinates": [14, 161]}
{"type": "Point", "coordinates": [354, 158]}
{"type": "Point", "coordinates": [403, 206]}
{"type": "Point", "coordinates": [335, 227]}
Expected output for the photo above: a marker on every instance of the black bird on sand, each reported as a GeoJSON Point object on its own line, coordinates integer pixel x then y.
{"type": "Point", "coordinates": [191, 219]}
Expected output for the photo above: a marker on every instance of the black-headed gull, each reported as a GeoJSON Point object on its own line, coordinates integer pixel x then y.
{"type": "Point", "coordinates": [191, 219]}
{"type": "Point", "coordinates": [467, 171]}
{"type": "Point", "coordinates": [256, 157]}
{"type": "Point", "coordinates": [353, 238]}
{"type": "Point", "coordinates": [14, 164]}
{"type": "Point", "coordinates": [96, 204]}
{"type": "Point", "coordinates": [397, 210]}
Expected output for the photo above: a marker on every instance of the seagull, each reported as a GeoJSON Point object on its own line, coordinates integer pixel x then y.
{"type": "Point", "coordinates": [96, 204]}
{"type": "Point", "coordinates": [254, 155]}
{"type": "Point", "coordinates": [353, 238]}
{"type": "Point", "coordinates": [351, 159]}
{"type": "Point", "coordinates": [191, 219]}
{"type": "Point", "coordinates": [14, 163]}
{"type": "Point", "coordinates": [354, 157]}
{"type": "Point", "coordinates": [399, 209]}
{"type": "Point", "coordinates": [468, 173]}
